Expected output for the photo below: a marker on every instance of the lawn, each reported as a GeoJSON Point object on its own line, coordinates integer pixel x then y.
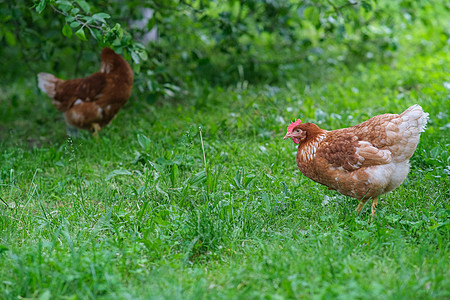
{"type": "Point", "coordinates": [137, 215]}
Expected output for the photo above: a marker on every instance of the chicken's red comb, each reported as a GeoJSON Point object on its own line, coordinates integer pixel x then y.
{"type": "Point", "coordinates": [293, 125]}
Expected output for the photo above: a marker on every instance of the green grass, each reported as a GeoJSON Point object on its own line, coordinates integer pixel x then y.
{"type": "Point", "coordinates": [136, 216]}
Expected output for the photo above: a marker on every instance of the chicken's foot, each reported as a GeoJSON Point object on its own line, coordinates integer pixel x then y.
{"type": "Point", "coordinates": [374, 207]}
{"type": "Point", "coordinates": [360, 205]}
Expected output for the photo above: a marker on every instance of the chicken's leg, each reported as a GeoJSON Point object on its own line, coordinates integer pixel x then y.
{"type": "Point", "coordinates": [374, 207]}
{"type": "Point", "coordinates": [96, 128]}
{"type": "Point", "coordinates": [360, 205]}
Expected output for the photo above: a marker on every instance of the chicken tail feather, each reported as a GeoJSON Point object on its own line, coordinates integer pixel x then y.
{"type": "Point", "coordinates": [416, 117]}
{"type": "Point", "coordinates": [406, 135]}
{"type": "Point", "coordinates": [47, 83]}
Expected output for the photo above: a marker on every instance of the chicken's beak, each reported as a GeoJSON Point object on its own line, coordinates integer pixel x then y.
{"type": "Point", "coordinates": [288, 135]}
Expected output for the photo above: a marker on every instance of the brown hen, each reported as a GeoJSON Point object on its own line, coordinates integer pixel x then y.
{"type": "Point", "coordinates": [363, 161]}
{"type": "Point", "coordinates": [91, 102]}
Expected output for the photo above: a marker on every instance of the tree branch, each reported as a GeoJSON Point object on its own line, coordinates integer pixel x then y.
{"type": "Point", "coordinates": [84, 24]}
{"type": "Point", "coordinates": [337, 9]}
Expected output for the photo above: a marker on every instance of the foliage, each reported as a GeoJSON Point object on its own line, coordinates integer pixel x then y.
{"type": "Point", "coordinates": [222, 42]}
{"type": "Point", "coordinates": [136, 215]}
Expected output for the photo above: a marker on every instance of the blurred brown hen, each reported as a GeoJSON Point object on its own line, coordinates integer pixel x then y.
{"type": "Point", "coordinates": [91, 102]}
{"type": "Point", "coordinates": [363, 161]}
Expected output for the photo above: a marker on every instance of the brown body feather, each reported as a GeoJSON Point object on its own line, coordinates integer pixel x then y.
{"type": "Point", "coordinates": [95, 100]}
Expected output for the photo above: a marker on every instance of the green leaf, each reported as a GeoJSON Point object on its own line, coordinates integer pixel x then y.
{"type": "Point", "coordinates": [266, 201]}
{"type": "Point", "coordinates": [362, 235]}
{"type": "Point", "coordinates": [3, 248]}
{"type": "Point", "coordinates": [151, 23]}
{"type": "Point", "coordinates": [101, 17]}
{"type": "Point", "coordinates": [114, 173]}
{"type": "Point", "coordinates": [65, 6]}
{"type": "Point", "coordinates": [41, 6]}
{"type": "Point", "coordinates": [97, 34]}
{"type": "Point", "coordinates": [135, 57]}
{"type": "Point", "coordinates": [116, 27]}
{"type": "Point", "coordinates": [47, 295]}
{"type": "Point", "coordinates": [75, 24]}
{"type": "Point", "coordinates": [84, 5]}
{"type": "Point", "coordinates": [144, 141]}
{"type": "Point", "coordinates": [10, 38]}
{"type": "Point", "coordinates": [80, 33]}
{"type": "Point", "coordinates": [174, 174]}
{"type": "Point", "coordinates": [366, 5]}
{"type": "Point", "coordinates": [142, 54]}
{"type": "Point", "coordinates": [197, 179]}
{"type": "Point", "coordinates": [67, 31]}
{"type": "Point", "coordinates": [311, 13]}
{"type": "Point", "coordinates": [137, 68]}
